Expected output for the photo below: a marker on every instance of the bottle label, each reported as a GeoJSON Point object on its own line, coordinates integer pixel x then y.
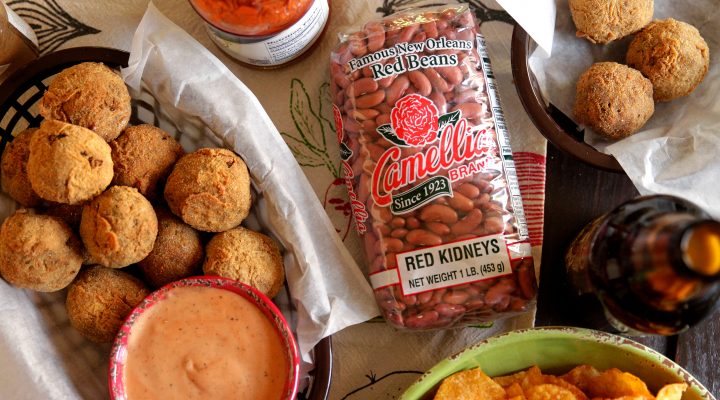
{"type": "Point", "coordinates": [279, 48]}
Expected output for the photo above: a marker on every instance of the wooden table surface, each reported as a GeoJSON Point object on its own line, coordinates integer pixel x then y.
{"type": "Point", "coordinates": [575, 194]}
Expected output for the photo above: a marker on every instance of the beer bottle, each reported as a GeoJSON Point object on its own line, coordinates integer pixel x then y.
{"type": "Point", "coordinates": [653, 262]}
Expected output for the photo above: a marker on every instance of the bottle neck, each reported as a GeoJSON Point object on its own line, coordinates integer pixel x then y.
{"type": "Point", "coordinates": [675, 255]}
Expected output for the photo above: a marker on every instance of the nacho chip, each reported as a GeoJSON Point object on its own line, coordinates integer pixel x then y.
{"type": "Point", "coordinates": [548, 391]}
{"type": "Point", "coordinates": [614, 383]}
{"type": "Point", "coordinates": [552, 379]}
{"type": "Point", "coordinates": [507, 380]}
{"type": "Point", "coordinates": [581, 376]}
{"type": "Point", "coordinates": [533, 377]}
{"type": "Point", "coordinates": [469, 385]}
{"type": "Point", "coordinates": [514, 390]}
{"type": "Point", "coordinates": [672, 392]}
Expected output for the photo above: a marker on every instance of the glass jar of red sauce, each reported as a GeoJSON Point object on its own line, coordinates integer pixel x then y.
{"type": "Point", "coordinates": [264, 33]}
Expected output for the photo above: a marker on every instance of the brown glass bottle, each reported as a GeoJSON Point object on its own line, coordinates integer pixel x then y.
{"type": "Point", "coordinates": [653, 262]}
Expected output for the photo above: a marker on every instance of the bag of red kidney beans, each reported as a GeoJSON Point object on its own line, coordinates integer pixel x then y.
{"type": "Point", "coordinates": [429, 171]}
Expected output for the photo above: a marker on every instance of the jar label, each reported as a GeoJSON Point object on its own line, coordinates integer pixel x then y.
{"type": "Point", "coordinates": [280, 48]}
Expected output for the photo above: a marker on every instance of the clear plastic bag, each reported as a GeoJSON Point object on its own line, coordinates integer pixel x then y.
{"type": "Point", "coordinates": [429, 171]}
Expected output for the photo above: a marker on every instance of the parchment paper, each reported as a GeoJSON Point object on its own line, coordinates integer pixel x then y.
{"type": "Point", "coordinates": [676, 151]}
{"type": "Point", "coordinates": [326, 286]}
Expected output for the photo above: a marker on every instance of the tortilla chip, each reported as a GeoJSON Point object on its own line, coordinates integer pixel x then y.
{"type": "Point", "coordinates": [672, 392]}
{"type": "Point", "coordinates": [581, 376]}
{"type": "Point", "coordinates": [507, 380]}
{"type": "Point", "coordinates": [533, 377]}
{"type": "Point", "coordinates": [614, 383]}
{"type": "Point", "coordinates": [552, 379]}
{"type": "Point", "coordinates": [548, 391]}
{"type": "Point", "coordinates": [469, 385]}
{"type": "Point", "coordinates": [514, 390]}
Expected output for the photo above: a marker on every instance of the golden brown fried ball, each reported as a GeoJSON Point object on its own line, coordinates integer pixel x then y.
{"type": "Point", "coordinates": [38, 252]}
{"type": "Point", "coordinates": [602, 21]}
{"type": "Point", "coordinates": [210, 190]}
{"type": "Point", "coordinates": [13, 170]}
{"type": "Point", "coordinates": [118, 227]}
{"type": "Point", "coordinates": [246, 256]}
{"type": "Point", "coordinates": [673, 55]}
{"type": "Point", "coordinates": [100, 299]}
{"type": "Point", "coordinates": [90, 95]}
{"type": "Point", "coordinates": [613, 99]}
{"type": "Point", "coordinates": [178, 252]}
{"type": "Point", "coordinates": [143, 157]}
{"type": "Point", "coordinates": [68, 164]}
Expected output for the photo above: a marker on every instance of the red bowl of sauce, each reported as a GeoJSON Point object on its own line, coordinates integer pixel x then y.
{"type": "Point", "coordinates": [205, 338]}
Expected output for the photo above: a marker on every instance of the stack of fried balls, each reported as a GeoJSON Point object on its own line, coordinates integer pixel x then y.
{"type": "Point", "coordinates": [98, 196]}
{"type": "Point", "coordinates": [666, 59]}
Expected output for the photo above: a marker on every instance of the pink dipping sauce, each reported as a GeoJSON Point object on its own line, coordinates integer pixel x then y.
{"type": "Point", "coordinates": [205, 343]}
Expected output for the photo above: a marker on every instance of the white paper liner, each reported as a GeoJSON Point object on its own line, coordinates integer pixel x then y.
{"type": "Point", "coordinates": [676, 151]}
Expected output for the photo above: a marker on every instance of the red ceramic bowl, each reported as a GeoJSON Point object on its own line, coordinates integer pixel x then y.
{"type": "Point", "coordinates": [119, 352]}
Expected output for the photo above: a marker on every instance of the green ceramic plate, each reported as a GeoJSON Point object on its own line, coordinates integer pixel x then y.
{"type": "Point", "coordinates": [557, 350]}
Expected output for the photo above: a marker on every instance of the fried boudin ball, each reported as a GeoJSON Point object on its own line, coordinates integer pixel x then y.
{"type": "Point", "coordinates": [143, 157]}
{"type": "Point", "coordinates": [90, 95]}
{"type": "Point", "coordinates": [38, 252]}
{"type": "Point", "coordinates": [13, 170]}
{"type": "Point", "coordinates": [118, 227]}
{"type": "Point", "coordinates": [602, 21]}
{"type": "Point", "coordinates": [68, 164]}
{"type": "Point", "coordinates": [210, 190]}
{"type": "Point", "coordinates": [673, 55]}
{"type": "Point", "coordinates": [246, 256]}
{"type": "Point", "coordinates": [100, 299]}
{"type": "Point", "coordinates": [178, 252]}
{"type": "Point", "coordinates": [613, 99]}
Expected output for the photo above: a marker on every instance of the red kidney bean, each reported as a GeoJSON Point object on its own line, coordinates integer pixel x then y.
{"type": "Point", "coordinates": [375, 36]}
{"type": "Point", "coordinates": [439, 100]}
{"type": "Point", "coordinates": [499, 292]}
{"type": "Point", "coordinates": [357, 44]}
{"type": "Point", "coordinates": [370, 100]}
{"type": "Point", "coordinates": [396, 89]}
{"type": "Point", "coordinates": [438, 228]}
{"type": "Point", "coordinates": [468, 190]}
{"type": "Point", "coordinates": [419, 37]}
{"type": "Point", "coordinates": [456, 297]}
{"type": "Point", "coordinates": [436, 81]}
{"type": "Point", "coordinates": [423, 320]}
{"type": "Point", "coordinates": [421, 237]}
{"type": "Point", "coordinates": [430, 29]}
{"type": "Point", "coordinates": [407, 33]}
{"type": "Point", "coordinates": [362, 86]}
{"type": "Point", "coordinates": [421, 82]}
{"type": "Point", "coordinates": [439, 213]}
{"type": "Point", "coordinates": [460, 202]}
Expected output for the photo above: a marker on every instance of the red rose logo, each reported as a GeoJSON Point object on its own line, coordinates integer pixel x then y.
{"type": "Point", "coordinates": [338, 123]}
{"type": "Point", "coordinates": [415, 120]}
